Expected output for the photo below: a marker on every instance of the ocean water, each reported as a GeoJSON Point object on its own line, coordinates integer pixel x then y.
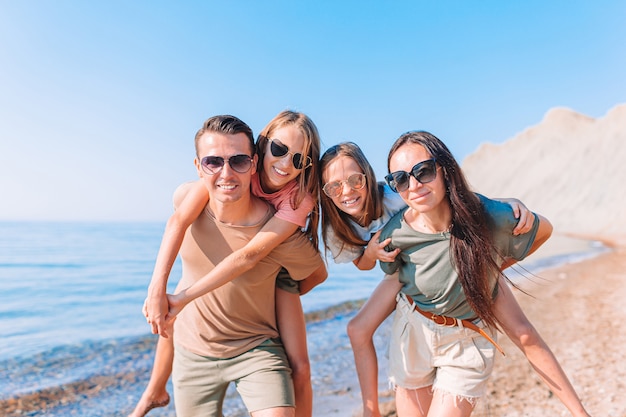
{"type": "Point", "coordinates": [70, 315]}
{"type": "Point", "coordinates": [64, 284]}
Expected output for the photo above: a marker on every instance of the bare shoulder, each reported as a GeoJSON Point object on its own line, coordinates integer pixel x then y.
{"type": "Point", "coordinates": [183, 190]}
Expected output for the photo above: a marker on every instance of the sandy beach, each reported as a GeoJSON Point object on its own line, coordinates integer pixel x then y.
{"type": "Point", "coordinates": [577, 309]}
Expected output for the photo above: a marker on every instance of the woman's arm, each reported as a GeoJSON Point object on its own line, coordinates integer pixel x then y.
{"type": "Point", "coordinates": [192, 204]}
{"type": "Point", "coordinates": [273, 233]}
{"type": "Point", "coordinates": [374, 251]}
{"type": "Point", "coordinates": [521, 332]}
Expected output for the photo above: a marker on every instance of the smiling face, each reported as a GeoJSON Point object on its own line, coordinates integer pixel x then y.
{"type": "Point", "coordinates": [279, 170]}
{"type": "Point", "coordinates": [350, 201]}
{"type": "Point", "coordinates": [420, 197]}
{"type": "Point", "coordinates": [227, 185]}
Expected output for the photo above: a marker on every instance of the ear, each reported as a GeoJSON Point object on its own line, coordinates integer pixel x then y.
{"type": "Point", "coordinates": [255, 161]}
{"type": "Point", "coordinates": [196, 162]}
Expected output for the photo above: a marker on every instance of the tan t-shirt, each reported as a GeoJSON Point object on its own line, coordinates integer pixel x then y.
{"type": "Point", "coordinates": [241, 314]}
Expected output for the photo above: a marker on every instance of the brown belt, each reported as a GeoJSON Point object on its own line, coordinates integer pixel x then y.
{"type": "Point", "coordinates": [452, 322]}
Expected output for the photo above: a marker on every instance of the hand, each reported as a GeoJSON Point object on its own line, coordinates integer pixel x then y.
{"type": "Point", "coordinates": [175, 307]}
{"type": "Point", "coordinates": [155, 309]}
{"type": "Point", "coordinates": [525, 217]}
{"type": "Point", "coordinates": [376, 250]}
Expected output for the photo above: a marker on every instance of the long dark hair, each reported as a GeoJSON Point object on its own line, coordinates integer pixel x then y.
{"type": "Point", "coordinates": [339, 220]}
{"type": "Point", "coordinates": [472, 248]}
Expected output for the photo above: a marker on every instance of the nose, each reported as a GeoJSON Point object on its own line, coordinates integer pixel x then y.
{"type": "Point", "coordinates": [414, 183]}
{"type": "Point", "coordinates": [284, 161]}
{"type": "Point", "coordinates": [227, 170]}
{"type": "Point", "coordinates": [345, 187]}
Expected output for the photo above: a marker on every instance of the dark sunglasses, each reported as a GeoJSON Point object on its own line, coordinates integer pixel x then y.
{"type": "Point", "coordinates": [335, 188]}
{"type": "Point", "coordinates": [214, 164]}
{"type": "Point", "coordinates": [278, 149]}
{"type": "Point", "coordinates": [424, 172]}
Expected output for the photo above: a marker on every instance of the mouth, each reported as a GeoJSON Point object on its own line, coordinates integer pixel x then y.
{"type": "Point", "coordinates": [280, 172]}
{"type": "Point", "coordinates": [351, 202]}
{"type": "Point", "coordinates": [226, 187]}
{"type": "Point", "coordinates": [421, 195]}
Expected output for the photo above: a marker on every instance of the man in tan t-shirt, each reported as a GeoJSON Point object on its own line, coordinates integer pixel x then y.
{"type": "Point", "coordinates": [230, 334]}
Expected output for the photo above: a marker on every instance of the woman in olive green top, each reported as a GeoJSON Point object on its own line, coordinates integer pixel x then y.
{"type": "Point", "coordinates": [453, 244]}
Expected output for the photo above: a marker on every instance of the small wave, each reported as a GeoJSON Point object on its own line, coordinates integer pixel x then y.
{"type": "Point", "coordinates": [44, 265]}
{"type": "Point", "coordinates": [60, 375]}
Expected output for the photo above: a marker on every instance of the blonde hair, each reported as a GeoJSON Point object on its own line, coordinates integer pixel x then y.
{"type": "Point", "coordinates": [307, 179]}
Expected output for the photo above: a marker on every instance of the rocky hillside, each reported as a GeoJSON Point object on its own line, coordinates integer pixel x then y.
{"type": "Point", "coordinates": [570, 168]}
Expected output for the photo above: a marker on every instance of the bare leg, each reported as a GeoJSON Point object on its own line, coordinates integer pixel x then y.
{"type": "Point", "coordinates": [413, 402]}
{"type": "Point", "coordinates": [292, 329]}
{"type": "Point", "coordinates": [274, 412]}
{"type": "Point", "coordinates": [156, 394]}
{"type": "Point", "coordinates": [361, 331]}
{"type": "Point", "coordinates": [521, 332]}
{"type": "Point", "coordinates": [449, 405]}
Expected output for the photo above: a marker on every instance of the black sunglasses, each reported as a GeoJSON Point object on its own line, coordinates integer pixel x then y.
{"type": "Point", "coordinates": [424, 172]}
{"type": "Point", "coordinates": [279, 149]}
{"type": "Point", "coordinates": [214, 164]}
{"type": "Point", "coordinates": [335, 188]}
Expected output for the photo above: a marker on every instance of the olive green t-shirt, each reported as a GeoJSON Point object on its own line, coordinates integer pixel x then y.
{"type": "Point", "coordinates": [424, 263]}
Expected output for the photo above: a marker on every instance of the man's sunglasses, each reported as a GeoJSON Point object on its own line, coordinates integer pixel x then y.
{"type": "Point", "coordinates": [214, 164]}
{"type": "Point", "coordinates": [279, 149]}
{"type": "Point", "coordinates": [424, 172]}
{"type": "Point", "coordinates": [335, 188]}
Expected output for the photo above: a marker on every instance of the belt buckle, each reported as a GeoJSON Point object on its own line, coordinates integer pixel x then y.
{"type": "Point", "coordinates": [444, 321]}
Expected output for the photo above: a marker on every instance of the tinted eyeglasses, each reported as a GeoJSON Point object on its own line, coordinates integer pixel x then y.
{"type": "Point", "coordinates": [354, 181]}
{"type": "Point", "coordinates": [214, 164]}
{"type": "Point", "coordinates": [424, 172]}
{"type": "Point", "coordinates": [279, 149]}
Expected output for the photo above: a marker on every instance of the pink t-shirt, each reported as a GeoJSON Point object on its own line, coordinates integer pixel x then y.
{"type": "Point", "coordinates": [281, 200]}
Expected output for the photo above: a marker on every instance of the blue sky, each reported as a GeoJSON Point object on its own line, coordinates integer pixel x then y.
{"type": "Point", "coordinates": [99, 101]}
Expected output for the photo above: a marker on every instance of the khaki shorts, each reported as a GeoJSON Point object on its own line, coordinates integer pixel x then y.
{"type": "Point", "coordinates": [454, 360]}
{"type": "Point", "coordinates": [285, 283]}
{"type": "Point", "coordinates": [262, 377]}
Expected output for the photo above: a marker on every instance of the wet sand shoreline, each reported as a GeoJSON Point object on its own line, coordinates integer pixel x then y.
{"type": "Point", "coordinates": [572, 306]}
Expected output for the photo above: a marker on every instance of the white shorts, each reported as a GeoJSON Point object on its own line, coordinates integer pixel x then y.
{"type": "Point", "coordinates": [454, 360]}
